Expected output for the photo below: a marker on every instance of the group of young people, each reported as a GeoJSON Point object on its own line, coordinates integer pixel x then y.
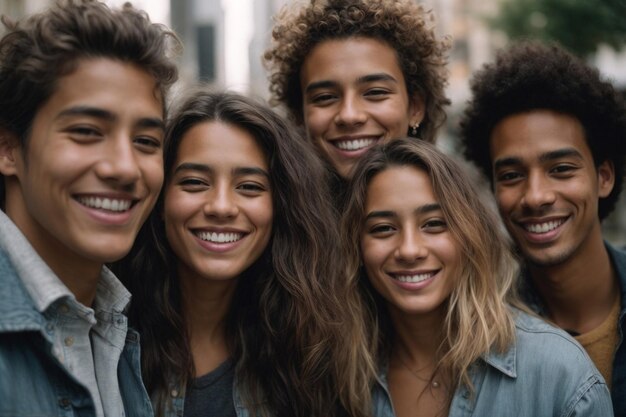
{"type": "Point", "coordinates": [332, 262]}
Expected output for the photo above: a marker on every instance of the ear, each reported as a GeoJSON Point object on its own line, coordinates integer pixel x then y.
{"type": "Point", "coordinates": [606, 178]}
{"type": "Point", "coordinates": [9, 153]}
{"type": "Point", "coordinates": [417, 109]}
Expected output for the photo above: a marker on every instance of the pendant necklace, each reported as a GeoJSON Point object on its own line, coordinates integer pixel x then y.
{"type": "Point", "coordinates": [433, 383]}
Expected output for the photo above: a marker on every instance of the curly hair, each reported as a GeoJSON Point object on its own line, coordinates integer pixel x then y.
{"type": "Point", "coordinates": [530, 76]}
{"type": "Point", "coordinates": [294, 329]}
{"type": "Point", "coordinates": [478, 317]}
{"type": "Point", "coordinates": [36, 52]}
{"type": "Point", "coordinates": [402, 24]}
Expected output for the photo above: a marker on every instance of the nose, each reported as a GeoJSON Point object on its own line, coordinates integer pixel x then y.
{"type": "Point", "coordinates": [221, 202]}
{"type": "Point", "coordinates": [538, 192]}
{"type": "Point", "coordinates": [411, 247]}
{"type": "Point", "coordinates": [351, 111]}
{"type": "Point", "coordinates": [119, 163]}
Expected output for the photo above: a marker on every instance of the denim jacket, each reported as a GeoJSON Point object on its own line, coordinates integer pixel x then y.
{"type": "Point", "coordinates": [618, 390]}
{"type": "Point", "coordinates": [32, 381]}
{"type": "Point", "coordinates": [545, 373]}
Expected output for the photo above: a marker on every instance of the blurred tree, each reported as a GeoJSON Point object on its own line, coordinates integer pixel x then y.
{"type": "Point", "coordinates": [578, 25]}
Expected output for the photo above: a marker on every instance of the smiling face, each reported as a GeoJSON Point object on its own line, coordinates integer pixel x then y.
{"type": "Point", "coordinates": [409, 254]}
{"type": "Point", "coordinates": [355, 95]}
{"type": "Point", "coordinates": [93, 166]}
{"type": "Point", "coordinates": [218, 202]}
{"type": "Point", "coordinates": [547, 185]}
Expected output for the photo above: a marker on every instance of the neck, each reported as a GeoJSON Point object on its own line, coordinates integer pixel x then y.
{"type": "Point", "coordinates": [417, 338]}
{"type": "Point", "coordinates": [579, 292]}
{"type": "Point", "coordinates": [79, 274]}
{"type": "Point", "coordinates": [206, 304]}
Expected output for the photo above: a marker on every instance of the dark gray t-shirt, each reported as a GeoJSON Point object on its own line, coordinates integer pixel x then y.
{"type": "Point", "coordinates": [211, 395]}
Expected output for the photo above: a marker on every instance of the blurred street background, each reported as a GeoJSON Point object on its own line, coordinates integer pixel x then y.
{"type": "Point", "coordinates": [224, 41]}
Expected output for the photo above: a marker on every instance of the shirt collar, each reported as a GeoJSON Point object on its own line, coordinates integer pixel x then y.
{"type": "Point", "coordinates": [42, 284]}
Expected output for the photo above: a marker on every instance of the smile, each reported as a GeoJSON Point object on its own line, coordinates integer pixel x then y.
{"type": "Point", "coordinates": [544, 227]}
{"type": "Point", "coordinates": [110, 204]}
{"type": "Point", "coordinates": [413, 279]}
{"type": "Point", "coordinates": [354, 144]}
{"type": "Point", "coordinates": [214, 237]}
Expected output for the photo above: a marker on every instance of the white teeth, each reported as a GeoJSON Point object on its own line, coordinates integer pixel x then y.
{"type": "Point", "coordinates": [543, 227]}
{"type": "Point", "coordinates": [219, 237]}
{"type": "Point", "coordinates": [414, 278]}
{"type": "Point", "coordinates": [110, 204]}
{"type": "Point", "coordinates": [354, 145]}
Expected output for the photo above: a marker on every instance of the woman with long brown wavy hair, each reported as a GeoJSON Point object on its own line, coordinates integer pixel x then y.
{"type": "Point", "coordinates": [438, 276]}
{"type": "Point", "coordinates": [237, 280]}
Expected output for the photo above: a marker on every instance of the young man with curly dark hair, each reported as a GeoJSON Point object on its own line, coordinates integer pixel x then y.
{"type": "Point", "coordinates": [358, 72]}
{"type": "Point", "coordinates": [82, 103]}
{"type": "Point", "coordinates": [550, 134]}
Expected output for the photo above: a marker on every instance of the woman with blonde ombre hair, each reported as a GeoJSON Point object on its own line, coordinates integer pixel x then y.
{"type": "Point", "coordinates": [437, 275]}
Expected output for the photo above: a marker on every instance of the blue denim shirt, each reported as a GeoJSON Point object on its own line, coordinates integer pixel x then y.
{"type": "Point", "coordinates": [618, 387]}
{"type": "Point", "coordinates": [545, 373]}
{"type": "Point", "coordinates": [32, 380]}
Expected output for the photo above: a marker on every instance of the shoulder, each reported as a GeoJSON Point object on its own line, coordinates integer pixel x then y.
{"type": "Point", "coordinates": [538, 340]}
{"type": "Point", "coordinates": [618, 257]}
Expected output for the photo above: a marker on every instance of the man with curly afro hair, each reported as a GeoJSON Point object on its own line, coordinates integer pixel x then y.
{"type": "Point", "coordinates": [358, 72]}
{"type": "Point", "coordinates": [550, 134]}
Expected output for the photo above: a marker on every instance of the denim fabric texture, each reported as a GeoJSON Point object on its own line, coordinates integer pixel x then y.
{"type": "Point", "coordinates": [618, 387]}
{"type": "Point", "coordinates": [33, 381]}
{"type": "Point", "coordinates": [177, 403]}
{"type": "Point", "coordinates": [545, 373]}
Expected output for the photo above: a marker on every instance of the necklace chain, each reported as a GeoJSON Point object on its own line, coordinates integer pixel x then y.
{"type": "Point", "coordinates": [432, 382]}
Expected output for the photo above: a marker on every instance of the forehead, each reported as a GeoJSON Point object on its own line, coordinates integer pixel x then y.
{"type": "Point", "coordinates": [220, 144]}
{"type": "Point", "coordinates": [118, 87]}
{"type": "Point", "coordinates": [349, 58]}
{"type": "Point", "coordinates": [400, 187]}
{"type": "Point", "coordinates": [529, 135]}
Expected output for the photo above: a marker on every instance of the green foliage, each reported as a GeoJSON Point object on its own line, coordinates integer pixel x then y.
{"type": "Point", "coordinates": [578, 25]}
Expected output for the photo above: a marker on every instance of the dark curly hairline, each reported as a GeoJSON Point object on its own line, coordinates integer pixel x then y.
{"type": "Point", "coordinates": [285, 84]}
{"type": "Point", "coordinates": [530, 76]}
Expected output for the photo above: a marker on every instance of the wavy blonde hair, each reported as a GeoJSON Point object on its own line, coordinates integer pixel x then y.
{"type": "Point", "coordinates": [402, 24]}
{"type": "Point", "coordinates": [478, 319]}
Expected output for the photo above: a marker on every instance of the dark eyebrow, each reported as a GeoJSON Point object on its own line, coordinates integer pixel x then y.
{"type": "Point", "coordinates": [361, 80]}
{"type": "Point", "coordinates": [380, 214]}
{"type": "Point", "coordinates": [427, 208]}
{"type": "Point", "coordinates": [190, 166]}
{"type": "Point", "coordinates": [87, 111]}
{"type": "Point", "coordinates": [560, 153]}
{"type": "Point", "coordinates": [376, 77]}
{"type": "Point", "coordinates": [148, 122]}
{"type": "Point", "coordinates": [544, 157]}
{"type": "Point", "coordinates": [151, 122]}
{"type": "Point", "coordinates": [320, 84]}
{"type": "Point", "coordinates": [251, 171]}
{"type": "Point", "coordinates": [506, 162]}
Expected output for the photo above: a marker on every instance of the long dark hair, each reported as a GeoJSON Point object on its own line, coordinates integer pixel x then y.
{"type": "Point", "coordinates": [293, 329]}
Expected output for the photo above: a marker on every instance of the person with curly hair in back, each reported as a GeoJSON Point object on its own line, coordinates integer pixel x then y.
{"type": "Point", "coordinates": [549, 133]}
{"type": "Point", "coordinates": [355, 73]}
